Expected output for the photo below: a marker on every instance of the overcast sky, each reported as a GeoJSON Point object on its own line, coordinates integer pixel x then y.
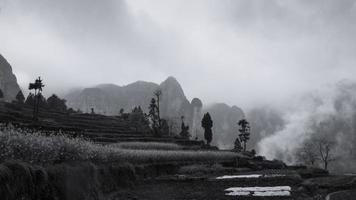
{"type": "Point", "coordinates": [242, 52]}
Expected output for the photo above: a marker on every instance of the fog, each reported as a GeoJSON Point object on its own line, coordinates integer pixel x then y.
{"type": "Point", "coordinates": [329, 112]}
{"type": "Point", "coordinates": [290, 56]}
{"type": "Point", "coordinates": [244, 53]}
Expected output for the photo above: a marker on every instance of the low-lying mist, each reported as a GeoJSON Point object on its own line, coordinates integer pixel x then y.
{"type": "Point", "coordinates": [329, 112]}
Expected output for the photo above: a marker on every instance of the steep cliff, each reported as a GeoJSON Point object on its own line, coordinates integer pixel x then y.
{"type": "Point", "coordinates": [8, 81]}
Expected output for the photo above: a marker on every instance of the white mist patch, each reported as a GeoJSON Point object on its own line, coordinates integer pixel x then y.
{"type": "Point", "coordinates": [299, 114]}
{"type": "Point", "coordinates": [259, 191]}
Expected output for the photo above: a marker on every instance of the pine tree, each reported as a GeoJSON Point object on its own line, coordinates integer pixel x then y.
{"type": "Point", "coordinates": [20, 98]}
{"type": "Point", "coordinates": [30, 100]}
{"type": "Point", "coordinates": [207, 124]}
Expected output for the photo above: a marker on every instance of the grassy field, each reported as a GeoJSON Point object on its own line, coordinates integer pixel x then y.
{"type": "Point", "coordinates": [147, 146]}
{"type": "Point", "coordinates": [40, 149]}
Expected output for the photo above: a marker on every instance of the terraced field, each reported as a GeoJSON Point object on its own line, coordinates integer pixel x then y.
{"type": "Point", "coordinates": [98, 128]}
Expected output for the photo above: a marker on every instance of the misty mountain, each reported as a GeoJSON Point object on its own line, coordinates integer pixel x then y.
{"type": "Point", "coordinates": [225, 119]}
{"type": "Point", "coordinates": [109, 98]}
{"type": "Point", "coordinates": [8, 81]}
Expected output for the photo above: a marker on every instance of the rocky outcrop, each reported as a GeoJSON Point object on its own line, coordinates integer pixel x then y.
{"type": "Point", "coordinates": [8, 81]}
{"type": "Point", "coordinates": [173, 99]}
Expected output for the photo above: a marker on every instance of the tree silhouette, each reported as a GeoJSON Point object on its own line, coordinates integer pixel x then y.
{"type": "Point", "coordinates": [326, 147]}
{"type": "Point", "coordinates": [20, 98]}
{"type": "Point", "coordinates": [37, 86]}
{"type": "Point", "coordinates": [1, 94]}
{"type": "Point", "coordinates": [55, 103]}
{"type": "Point", "coordinates": [317, 149]}
{"type": "Point", "coordinates": [164, 127]}
{"type": "Point", "coordinates": [139, 119]}
{"type": "Point", "coordinates": [184, 130]}
{"type": "Point", "coordinates": [158, 94]}
{"type": "Point", "coordinates": [121, 111]}
{"type": "Point", "coordinates": [307, 153]}
{"type": "Point", "coordinates": [153, 114]}
{"type": "Point", "coordinates": [244, 131]}
{"type": "Point", "coordinates": [237, 145]}
{"type": "Point", "coordinates": [41, 101]}
{"type": "Point", "coordinates": [30, 100]}
{"type": "Point", "coordinates": [207, 124]}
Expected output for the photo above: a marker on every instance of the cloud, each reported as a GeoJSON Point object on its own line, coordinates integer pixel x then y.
{"type": "Point", "coordinates": [240, 52]}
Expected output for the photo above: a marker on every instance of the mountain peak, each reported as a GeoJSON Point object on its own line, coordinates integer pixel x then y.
{"type": "Point", "coordinates": [171, 80]}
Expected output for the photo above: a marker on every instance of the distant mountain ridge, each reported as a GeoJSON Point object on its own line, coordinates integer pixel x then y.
{"type": "Point", "coordinates": [108, 99]}
{"type": "Point", "coordinates": [8, 81]}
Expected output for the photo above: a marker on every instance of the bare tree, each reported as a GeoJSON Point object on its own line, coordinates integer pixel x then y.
{"type": "Point", "coordinates": [318, 148]}
{"type": "Point", "coordinates": [307, 153]}
{"type": "Point", "coordinates": [325, 147]}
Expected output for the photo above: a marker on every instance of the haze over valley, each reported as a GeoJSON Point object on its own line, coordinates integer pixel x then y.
{"type": "Point", "coordinates": [200, 87]}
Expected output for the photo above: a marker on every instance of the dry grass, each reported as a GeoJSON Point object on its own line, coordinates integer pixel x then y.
{"type": "Point", "coordinates": [41, 149]}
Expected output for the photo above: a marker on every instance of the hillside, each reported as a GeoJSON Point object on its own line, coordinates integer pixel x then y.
{"type": "Point", "coordinates": [97, 128]}
{"type": "Point", "coordinates": [8, 81]}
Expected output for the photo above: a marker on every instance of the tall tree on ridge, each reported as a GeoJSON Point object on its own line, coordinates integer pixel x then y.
{"type": "Point", "coordinates": [37, 86]}
{"type": "Point", "coordinates": [207, 124]}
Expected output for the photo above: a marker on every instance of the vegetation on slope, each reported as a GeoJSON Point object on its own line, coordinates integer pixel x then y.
{"type": "Point", "coordinates": [148, 146]}
{"type": "Point", "coordinates": [41, 149]}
